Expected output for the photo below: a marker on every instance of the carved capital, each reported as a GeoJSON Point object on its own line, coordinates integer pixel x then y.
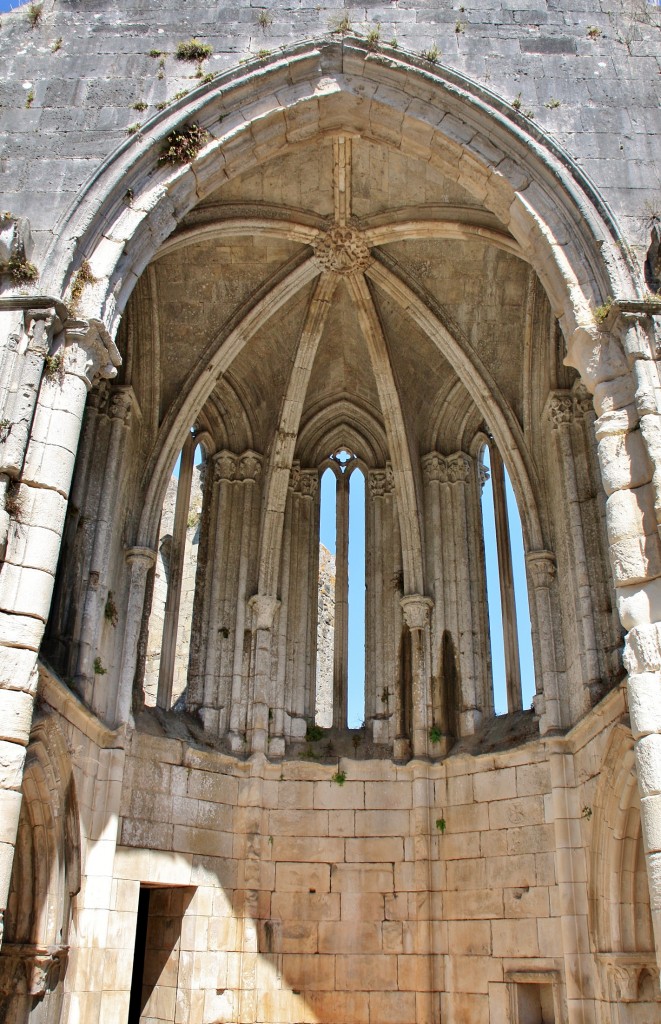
{"type": "Point", "coordinates": [308, 483]}
{"type": "Point", "coordinates": [249, 466]}
{"type": "Point", "coordinates": [624, 974]}
{"type": "Point", "coordinates": [143, 558]}
{"type": "Point", "coordinates": [88, 351]}
{"type": "Point", "coordinates": [459, 466]}
{"type": "Point", "coordinates": [224, 465]}
{"type": "Point", "coordinates": [483, 474]}
{"type": "Point", "coordinates": [583, 399]}
{"type": "Point", "coordinates": [376, 479]}
{"type": "Point", "coordinates": [30, 969]}
{"type": "Point", "coordinates": [434, 467]}
{"type": "Point", "coordinates": [342, 250]}
{"type": "Point", "coordinates": [263, 608]}
{"type": "Point", "coordinates": [295, 476]}
{"type": "Point", "coordinates": [417, 610]}
{"type": "Point", "coordinates": [542, 568]}
{"type": "Point", "coordinates": [560, 408]}
{"type": "Point", "coordinates": [121, 405]}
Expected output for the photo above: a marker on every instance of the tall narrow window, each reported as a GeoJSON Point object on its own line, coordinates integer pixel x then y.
{"type": "Point", "coordinates": [509, 620]}
{"type": "Point", "coordinates": [340, 670]}
{"type": "Point", "coordinates": [326, 602]}
{"type": "Point", "coordinates": [170, 619]}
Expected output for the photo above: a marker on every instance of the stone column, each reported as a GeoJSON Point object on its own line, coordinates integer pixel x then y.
{"type": "Point", "coordinates": [541, 575]}
{"type": "Point", "coordinates": [21, 368]}
{"type": "Point", "coordinates": [416, 609]}
{"type": "Point", "coordinates": [119, 411]}
{"type": "Point", "coordinates": [341, 646]}
{"type": "Point", "coordinates": [561, 412]}
{"type": "Point", "coordinates": [173, 599]}
{"type": "Point", "coordinates": [506, 580]}
{"type": "Point", "coordinates": [263, 608]}
{"type": "Point", "coordinates": [217, 630]}
{"type": "Point", "coordinates": [140, 561]}
{"type": "Point", "coordinates": [84, 352]}
{"type": "Point", "coordinates": [462, 532]}
{"type": "Point", "coordinates": [379, 697]}
{"type": "Point", "coordinates": [619, 365]}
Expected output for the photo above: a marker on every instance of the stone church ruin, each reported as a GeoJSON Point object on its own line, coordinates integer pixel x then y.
{"type": "Point", "coordinates": [405, 254]}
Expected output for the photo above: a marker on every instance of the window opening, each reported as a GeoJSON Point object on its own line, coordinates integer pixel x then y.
{"type": "Point", "coordinates": [323, 716]}
{"type": "Point", "coordinates": [170, 619]}
{"type": "Point", "coordinates": [507, 595]}
{"type": "Point", "coordinates": [340, 666]}
{"type": "Point", "coordinates": [356, 601]}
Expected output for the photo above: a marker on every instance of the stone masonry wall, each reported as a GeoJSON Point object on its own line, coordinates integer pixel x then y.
{"type": "Point", "coordinates": [86, 77]}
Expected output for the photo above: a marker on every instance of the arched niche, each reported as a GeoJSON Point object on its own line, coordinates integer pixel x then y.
{"type": "Point", "coordinates": [46, 876]}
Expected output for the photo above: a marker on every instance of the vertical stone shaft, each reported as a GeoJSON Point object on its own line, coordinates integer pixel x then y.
{"type": "Point", "coordinates": [341, 648]}
{"type": "Point", "coordinates": [561, 408]}
{"type": "Point", "coordinates": [541, 573]}
{"type": "Point", "coordinates": [172, 602]}
{"type": "Point", "coordinates": [95, 595]}
{"type": "Point", "coordinates": [506, 580]}
{"type": "Point", "coordinates": [140, 561]}
{"type": "Point", "coordinates": [224, 471]}
{"type": "Point", "coordinates": [248, 471]}
{"type": "Point", "coordinates": [27, 576]}
{"type": "Point", "coordinates": [416, 609]}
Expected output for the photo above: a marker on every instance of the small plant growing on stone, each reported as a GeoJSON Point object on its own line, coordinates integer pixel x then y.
{"type": "Point", "coordinates": [133, 129]}
{"type": "Point", "coordinates": [20, 270]}
{"type": "Point", "coordinates": [264, 20]}
{"type": "Point", "coordinates": [84, 276]}
{"type": "Point", "coordinates": [29, 99]}
{"type": "Point", "coordinates": [162, 105]}
{"type": "Point", "coordinates": [193, 50]}
{"type": "Point", "coordinates": [99, 670]}
{"type": "Point", "coordinates": [373, 37]}
{"type": "Point", "coordinates": [155, 53]}
{"type": "Point", "coordinates": [586, 813]}
{"type": "Point", "coordinates": [34, 13]}
{"type": "Point", "coordinates": [54, 368]}
{"type": "Point", "coordinates": [339, 778]}
{"type": "Point", "coordinates": [393, 42]}
{"type": "Point", "coordinates": [314, 732]}
{"type": "Point", "coordinates": [263, 53]}
{"type": "Point", "coordinates": [431, 54]}
{"type": "Point", "coordinates": [516, 102]}
{"type": "Point", "coordinates": [57, 45]}
{"type": "Point", "coordinates": [194, 517]}
{"type": "Point", "coordinates": [552, 104]}
{"type": "Point", "coordinates": [14, 503]}
{"type": "Point", "coordinates": [593, 32]}
{"type": "Point", "coordinates": [435, 734]}
{"type": "Point", "coordinates": [342, 26]}
{"type": "Point", "coordinates": [601, 312]}
{"type": "Point", "coordinates": [459, 27]}
{"type": "Point", "coordinates": [208, 78]}
{"type": "Point", "coordinates": [110, 612]}
{"type": "Point", "coordinates": [441, 825]}
{"type": "Point", "coordinates": [140, 105]}
{"type": "Point", "coordinates": [179, 95]}
{"type": "Point", "coordinates": [183, 144]}
{"type": "Point", "coordinates": [5, 429]}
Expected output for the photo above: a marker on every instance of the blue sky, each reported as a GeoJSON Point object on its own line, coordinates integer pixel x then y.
{"type": "Point", "coordinates": [5, 5]}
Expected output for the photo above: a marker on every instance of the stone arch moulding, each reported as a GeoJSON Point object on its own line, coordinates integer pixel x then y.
{"type": "Point", "coordinates": [556, 216]}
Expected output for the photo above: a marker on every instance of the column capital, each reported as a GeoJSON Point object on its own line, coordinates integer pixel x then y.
{"type": "Point", "coordinates": [224, 465]}
{"type": "Point", "coordinates": [417, 610]}
{"type": "Point", "coordinates": [376, 479]}
{"type": "Point", "coordinates": [434, 467]}
{"type": "Point", "coordinates": [121, 404]}
{"type": "Point", "coordinates": [542, 567]}
{"type": "Point", "coordinates": [88, 351]}
{"type": "Point", "coordinates": [249, 466]}
{"type": "Point", "coordinates": [308, 483]}
{"type": "Point", "coordinates": [142, 557]}
{"type": "Point", "coordinates": [559, 407]}
{"type": "Point", "coordinates": [459, 467]}
{"type": "Point", "coordinates": [263, 608]}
